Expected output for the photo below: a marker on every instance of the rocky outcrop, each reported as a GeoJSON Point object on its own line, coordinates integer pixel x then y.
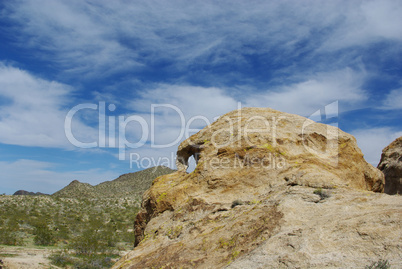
{"type": "Point", "coordinates": [270, 190]}
{"type": "Point", "coordinates": [391, 165]}
{"type": "Point", "coordinates": [277, 147]}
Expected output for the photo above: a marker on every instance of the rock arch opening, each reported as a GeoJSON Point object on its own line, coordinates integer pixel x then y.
{"type": "Point", "coordinates": [186, 154]}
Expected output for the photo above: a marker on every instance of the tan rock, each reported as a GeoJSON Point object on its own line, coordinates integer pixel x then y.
{"type": "Point", "coordinates": [391, 165]}
{"type": "Point", "coordinates": [274, 146]}
{"type": "Point", "coordinates": [259, 192]}
{"type": "Point", "coordinates": [350, 229]}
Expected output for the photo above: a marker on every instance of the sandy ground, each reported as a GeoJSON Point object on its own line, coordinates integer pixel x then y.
{"type": "Point", "coordinates": [25, 258]}
{"type": "Point", "coordinates": [29, 258]}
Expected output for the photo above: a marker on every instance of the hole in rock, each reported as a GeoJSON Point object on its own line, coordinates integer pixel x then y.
{"type": "Point", "coordinates": [191, 164]}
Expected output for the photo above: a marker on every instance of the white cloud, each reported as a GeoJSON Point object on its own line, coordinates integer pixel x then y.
{"type": "Point", "coordinates": [185, 103]}
{"type": "Point", "coordinates": [373, 140]}
{"type": "Point", "coordinates": [101, 38]}
{"type": "Point", "coordinates": [192, 100]}
{"type": "Point", "coordinates": [40, 176]}
{"type": "Point", "coordinates": [366, 22]}
{"type": "Point", "coordinates": [294, 40]}
{"type": "Point", "coordinates": [72, 33]}
{"type": "Point", "coordinates": [393, 100]}
{"type": "Point", "coordinates": [306, 97]}
{"type": "Point", "coordinates": [34, 111]}
{"type": "Point", "coordinates": [383, 18]}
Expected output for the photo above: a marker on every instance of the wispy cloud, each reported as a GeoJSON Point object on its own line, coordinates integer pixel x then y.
{"type": "Point", "coordinates": [307, 96]}
{"type": "Point", "coordinates": [103, 37]}
{"type": "Point", "coordinates": [33, 110]}
{"type": "Point", "coordinates": [366, 22]}
{"type": "Point", "coordinates": [177, 108]}
{"type": "Point", "coordinates": [71, 34]}
{"type": "Point", "coordinates": [203, 58]}
{"type": "Point", "coordinates": [393, 100]}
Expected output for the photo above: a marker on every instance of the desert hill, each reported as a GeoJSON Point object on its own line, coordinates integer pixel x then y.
{"type": "Point", "coordinates": [127, 185]}
{"type": "Point", "coordinates": [23, 192]}
{"type": "Point", "coordinates": [270, 190]}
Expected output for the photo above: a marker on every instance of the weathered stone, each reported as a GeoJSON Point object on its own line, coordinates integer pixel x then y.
{"type": "Point", "coordinates": [272, 146]}
{"type": "Point", "coordinates": [306, 200]}
{"type": "Point", "coordinates": [391, 165]}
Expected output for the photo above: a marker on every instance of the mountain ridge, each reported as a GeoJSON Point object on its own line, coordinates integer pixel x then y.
{"type": "Point", "coordinates": [126, 185]}
{"type": "Point", "coordinates": [24, 192]}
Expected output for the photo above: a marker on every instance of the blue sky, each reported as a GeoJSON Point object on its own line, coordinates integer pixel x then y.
{"type": "Point", "coordinates": [202, 57]}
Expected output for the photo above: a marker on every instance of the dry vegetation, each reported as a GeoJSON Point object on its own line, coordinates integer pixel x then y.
{"type": "Point", "coordinates": [81, 231]}
{"type": "Point", "coordinates": [84, 226]}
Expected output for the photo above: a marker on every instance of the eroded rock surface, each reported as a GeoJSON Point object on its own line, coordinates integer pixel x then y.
{"type": "Point", "coordinates": [391, 165]}
{"type": "Point", "coordinates": [270, 190]}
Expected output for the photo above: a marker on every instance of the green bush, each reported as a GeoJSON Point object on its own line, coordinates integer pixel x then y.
{"type": "Point", "coordinates": [9, 233]}
{"type": "Point", "coordinates": [43, 235]}
{"type": "Point", "coordinates": [322, 193]}
{"type": "Point", "coordinates": [381, 264]}
{"type": "Point", "coordinates": [12, 224]}
{"type": "Point", "coordinates": [61, 259]}
{"type": "Point", "coordinates": [63, 232]}
{"type": "Point", "coordinates": [9, 237]}
{"type": "Point", "coordinates": [94, 262]}
{"type": "Point", "coordinates": [88, 243]}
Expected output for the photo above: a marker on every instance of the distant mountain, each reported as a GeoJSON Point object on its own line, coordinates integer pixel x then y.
{"type": "Point", "coordinates": [22, 192]}
{"type": "Point", "coordinates": [127, 185]}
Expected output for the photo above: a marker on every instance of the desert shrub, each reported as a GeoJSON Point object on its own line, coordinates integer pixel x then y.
{"type": "Point", "coordinates": [43, 235]}
{"type": "Point", "coordinates": [12, 224]}
{"type": "Point", "coordinates": [61, 259]}
{"type": "Point", "coordinates": [128, 237]}
{"type": "Point", "coordinates": [9, 233]}
{"type": "Point", "coordinates": [92, 231]}
{"type": "Point", "coordinates": [108, 235]}
{"type": "Point", "coordinates": [94, 262]}
{"type": "Point", "coordinates": [88, 243]}
{"type": "Point", "coordinates": [381, 264]}
{"type": "Point", "coordinates": [322, 193]}
{"type": "Point", "coordinates": [9, 237]}
{"type": "Point", "coordinates": [236, 203]}
{"type": "Point", "coordinates": [63, 232]}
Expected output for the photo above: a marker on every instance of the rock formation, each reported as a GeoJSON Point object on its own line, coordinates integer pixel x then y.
{"type": "Point", "coordinates": [391, 165]}
{"type": "Point", "coordinates": [270, 190]}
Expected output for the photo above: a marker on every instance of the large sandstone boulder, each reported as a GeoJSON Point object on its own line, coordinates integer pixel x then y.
{"type": "Point", "coordinates": [391, 165]}
{"type": "Point", "coordinates": [262, 147]}
{"type": "Point", "coordinates": [270, 189]}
